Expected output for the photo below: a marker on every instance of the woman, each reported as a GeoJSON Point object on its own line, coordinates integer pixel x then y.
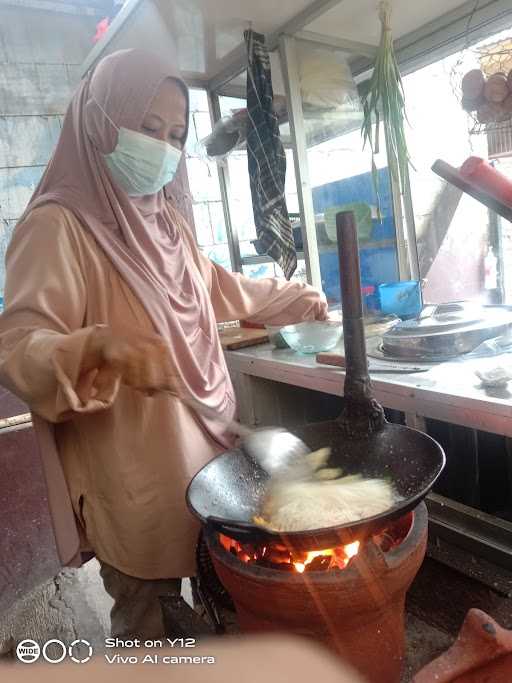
{"type": "Point", "coordinates": [111, 308]}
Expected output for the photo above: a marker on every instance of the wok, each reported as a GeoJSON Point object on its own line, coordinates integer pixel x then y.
{"type": "Point", "coordinates": [228, 491]}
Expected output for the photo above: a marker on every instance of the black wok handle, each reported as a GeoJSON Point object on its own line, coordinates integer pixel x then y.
{"type": "Point", "coordinates": [361, 413]}
{"type": "Point", "coordinates": [357, 381]}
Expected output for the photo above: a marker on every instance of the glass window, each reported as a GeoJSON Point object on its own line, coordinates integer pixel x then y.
{"type": "Point", "coordinates": [340, 176]}
{"type": "Point", "coordinates": [457, 238]}
{"type": "Point", "coordinates": [210, 226]}
{"type": "Point", "coordinates": [503, 238]}
{"type": "Point", "coordinates": [340, 172]}
{"type": "Point", "coordinates": [266, 268]}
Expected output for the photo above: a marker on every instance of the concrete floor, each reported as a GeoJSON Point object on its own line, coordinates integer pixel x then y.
{"type": "Point", "coordinates": [75, 605]}
{"type": "Point", "coordinates": [424, 643]}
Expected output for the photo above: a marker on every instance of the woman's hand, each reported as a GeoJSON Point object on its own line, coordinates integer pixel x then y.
{"type": "Point", "coordinates": [136, 359]}
{"type": "Point", "coordinates": [322, 312]}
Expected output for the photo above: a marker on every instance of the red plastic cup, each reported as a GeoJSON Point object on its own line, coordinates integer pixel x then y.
{"type": "Point", "coordinates": [484, 176]}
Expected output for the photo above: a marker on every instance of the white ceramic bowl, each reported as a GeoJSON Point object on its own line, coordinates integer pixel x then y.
{"type": "Point", "coordinates": [313, 336]}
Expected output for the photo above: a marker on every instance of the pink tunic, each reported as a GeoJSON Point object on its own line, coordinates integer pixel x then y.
{"type": "Point", "coordinates": [127, 465]}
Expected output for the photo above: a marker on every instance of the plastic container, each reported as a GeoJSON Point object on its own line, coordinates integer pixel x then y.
{"type": "Point", "coordinates": [368, 294]}
{"type": "Point", "coordinates": [401, 298]}
{"type": "Point", "coordinates": [314, 336]}
{"type": "Point", "coordinates": [363, 217]}
{"type": "Point", "coordinates": [490, 270]}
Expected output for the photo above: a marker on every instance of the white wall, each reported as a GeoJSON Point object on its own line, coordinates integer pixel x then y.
{"type": "Point", "coordinates": [40, 57]}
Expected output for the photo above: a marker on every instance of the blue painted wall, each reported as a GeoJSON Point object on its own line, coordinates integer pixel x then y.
{"type": "Point", "coordinates": [378, 264]}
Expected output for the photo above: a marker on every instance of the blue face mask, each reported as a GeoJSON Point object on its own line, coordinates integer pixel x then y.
{"type": "Point", "coordinates": [139, 164]}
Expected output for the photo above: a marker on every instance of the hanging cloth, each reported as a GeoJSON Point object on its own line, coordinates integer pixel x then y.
{"type": "Point", "coordinates": [267, 159]}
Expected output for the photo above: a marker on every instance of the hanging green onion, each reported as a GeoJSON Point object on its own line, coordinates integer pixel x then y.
{"type": "Point", "coordinates": [384, 98]}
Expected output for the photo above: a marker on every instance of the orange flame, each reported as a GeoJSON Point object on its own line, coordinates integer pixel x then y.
{"type": "Point", "coordinates": [278, 554]}
{"type": "Point", "coordinates": [339, 557]}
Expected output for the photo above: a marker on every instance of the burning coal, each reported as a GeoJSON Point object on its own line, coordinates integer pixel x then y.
{"type": "Point", "coordinates": [279, 556]}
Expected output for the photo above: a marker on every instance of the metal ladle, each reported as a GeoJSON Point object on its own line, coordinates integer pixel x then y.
{"type": "Point", "coordinates": [274, 449]}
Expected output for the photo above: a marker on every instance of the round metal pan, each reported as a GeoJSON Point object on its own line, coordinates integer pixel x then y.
{"type": "Point", "coordinates": [228, 492]}
{"type": "Point", "coordinates": [450, 331]}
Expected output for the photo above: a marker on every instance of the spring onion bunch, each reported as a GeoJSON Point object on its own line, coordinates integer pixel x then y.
{"type": "Point", "coordinates": [383, 99]}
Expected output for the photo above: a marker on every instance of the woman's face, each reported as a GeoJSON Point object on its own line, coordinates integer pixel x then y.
{"type": "Point", "coordinates": [166, 118]}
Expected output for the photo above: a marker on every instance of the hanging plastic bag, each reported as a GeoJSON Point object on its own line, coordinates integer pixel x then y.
{"type": "Point", "coordinates": [326, 81]}
{"type": "Point", "coordinates": [228, 134]}
{"type": "Point", "coordinates": [493, 347]}
{"type": "Point", "coordinates": [330, 103]}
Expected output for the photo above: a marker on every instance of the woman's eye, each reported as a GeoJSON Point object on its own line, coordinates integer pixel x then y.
{"type": "Point", "coordinates": [176, 141]}
{"type": "Point", "coordinates": [148, 129]}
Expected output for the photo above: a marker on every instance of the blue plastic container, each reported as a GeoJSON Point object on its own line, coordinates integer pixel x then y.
{"type": "Point", "coordinates": [401, 298]}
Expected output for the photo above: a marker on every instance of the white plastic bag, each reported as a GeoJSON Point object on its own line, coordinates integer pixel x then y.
{"type": "Point", "coordinates": [326, 80]}
{"type": "Point", "coordinates": [228, 134]}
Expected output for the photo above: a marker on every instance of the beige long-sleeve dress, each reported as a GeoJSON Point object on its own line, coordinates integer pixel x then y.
{"type": "Point", "coordinates": [127, 463]}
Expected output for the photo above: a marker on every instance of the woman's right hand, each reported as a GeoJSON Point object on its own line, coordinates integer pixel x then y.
{"type": "Point", "coordinates": [136, 359]}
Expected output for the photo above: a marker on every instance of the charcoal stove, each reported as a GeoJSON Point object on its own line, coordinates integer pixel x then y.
{"type": "Point", "coordinates": [351, 598]}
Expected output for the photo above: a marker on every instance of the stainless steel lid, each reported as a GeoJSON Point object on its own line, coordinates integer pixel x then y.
{"type": "Point", "coordinates": [446, 331]}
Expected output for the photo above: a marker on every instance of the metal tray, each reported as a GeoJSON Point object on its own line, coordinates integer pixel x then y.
{"type": "Point", "coordinates": [446, 331]}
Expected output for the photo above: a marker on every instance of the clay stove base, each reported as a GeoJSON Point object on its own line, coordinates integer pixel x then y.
{"type": "Point", "coordinates": [358, 613]}
{"type": "Point", "coordinates": [481, 653]}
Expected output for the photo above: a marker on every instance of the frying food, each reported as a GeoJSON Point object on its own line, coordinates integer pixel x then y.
{"type": "Point", "coordinates": [325, 499]}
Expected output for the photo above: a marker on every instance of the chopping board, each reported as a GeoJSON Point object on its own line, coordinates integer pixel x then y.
{"type": "Point", "coordinates": [233, 338]}
{"type": "Point", "coordinates": [336, 359]}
